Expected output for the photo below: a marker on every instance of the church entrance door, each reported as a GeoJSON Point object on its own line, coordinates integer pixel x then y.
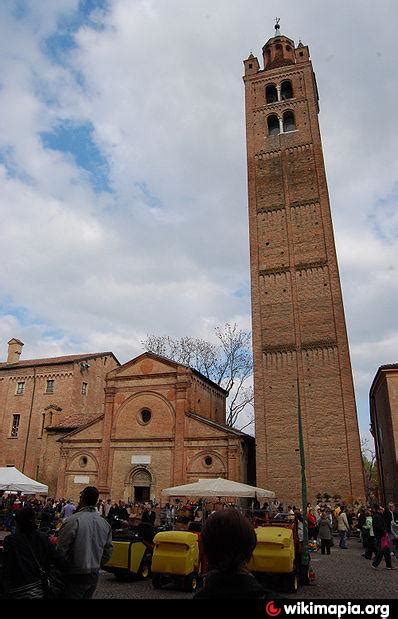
{"type": "Point", "coordinates": [141, 483]}
{"type": "Point", "coordinates": [141, 494]}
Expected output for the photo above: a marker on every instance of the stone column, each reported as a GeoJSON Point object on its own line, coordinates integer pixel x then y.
{"type": "Point", "coordinates": [61, 483]}
{"type": "Point", "coordinates": [179, 434]}
{"type": "Point", "coordinates": [103, 481]}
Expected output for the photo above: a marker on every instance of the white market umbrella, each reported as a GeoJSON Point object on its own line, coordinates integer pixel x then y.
{"type": "Point", "coordinates": [12, 480]}
{"type": "Point", "coordinates": [218, 488]}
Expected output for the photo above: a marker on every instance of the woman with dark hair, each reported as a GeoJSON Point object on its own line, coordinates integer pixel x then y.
{"type": "Point", "coordinates": [228, 541]}
{"type": "Point", "coordinates": [27, 554]}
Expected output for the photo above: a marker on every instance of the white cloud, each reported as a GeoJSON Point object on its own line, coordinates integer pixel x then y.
{"type": "Point", "coordinates": [167, 251]}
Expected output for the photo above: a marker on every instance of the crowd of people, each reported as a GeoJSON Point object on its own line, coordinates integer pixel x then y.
{"type": "Point", "coordinates": [85, 531]}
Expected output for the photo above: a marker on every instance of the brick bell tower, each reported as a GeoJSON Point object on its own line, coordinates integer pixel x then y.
{"type": "Point", "coordinates": [299, 331]}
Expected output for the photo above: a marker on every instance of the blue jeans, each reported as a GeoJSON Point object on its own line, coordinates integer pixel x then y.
{"type": "Point", "coordinates": [343, 539]}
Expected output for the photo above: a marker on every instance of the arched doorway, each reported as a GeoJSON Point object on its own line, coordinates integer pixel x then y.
{"type": "Point", "coordinates": [141, 482]}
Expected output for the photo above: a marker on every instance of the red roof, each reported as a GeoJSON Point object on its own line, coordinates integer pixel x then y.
{"type": "Point", "coordinates": [75, 421]}
{"type": "Point", "coordinates": [55, 360]}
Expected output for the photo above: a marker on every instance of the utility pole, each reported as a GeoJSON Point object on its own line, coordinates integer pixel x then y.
{"type": "Point", "coordinates": [305, 558]}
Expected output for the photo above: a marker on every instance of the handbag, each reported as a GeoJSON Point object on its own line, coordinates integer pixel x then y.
{"type": "Point", "coordinates": [52, 582]}
{"type": "Point", "coordinates": [384, 542]}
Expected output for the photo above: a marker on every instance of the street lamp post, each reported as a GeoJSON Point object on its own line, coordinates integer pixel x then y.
{"type": "Point", "coordinates": [305, 557]}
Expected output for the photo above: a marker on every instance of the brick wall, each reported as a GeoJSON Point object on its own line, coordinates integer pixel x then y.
{"type": "Point", "coordinates": [299, 330]}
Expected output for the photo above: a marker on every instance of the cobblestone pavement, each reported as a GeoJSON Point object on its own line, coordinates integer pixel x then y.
{"type": "Point", "coordinates": [345, 574]}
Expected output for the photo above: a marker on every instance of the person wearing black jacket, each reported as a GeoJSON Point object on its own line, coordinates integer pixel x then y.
{"type": "Point", "coordinates": [380, 532]}
{"type": "Point", "coordinates": [26, 552]}
{"type": "Point", "coordinates": [228, 542]}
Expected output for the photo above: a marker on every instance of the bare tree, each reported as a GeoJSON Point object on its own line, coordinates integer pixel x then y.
{"type": "Point", "coordinates": [370, 468]}
{"type": "Point", "coordinates": [227, 362]}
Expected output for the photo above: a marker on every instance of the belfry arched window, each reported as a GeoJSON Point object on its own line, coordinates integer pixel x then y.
{"type": "Point", "coordinates": [286, 90]}
{"type": "Point", "coordinates": [271, 93]}
{"type": "Point", "coordinates": [289, 123]}
{"type": "Point", "coordinates": [273, 125]}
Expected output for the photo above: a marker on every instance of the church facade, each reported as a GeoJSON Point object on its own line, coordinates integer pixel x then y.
{"type": "Point", "coordinates": [300, 341]}
{"type": "Point", "coordinates": [163, 425]}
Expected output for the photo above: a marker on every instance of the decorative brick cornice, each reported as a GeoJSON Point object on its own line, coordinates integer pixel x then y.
{"type": "Point", "coordinates": [303, 266]}
{"type": "Point", "coordinates": [271, 209]}
{"type": "Point", "coordinates": [275, 271]}
{"type": "Point", "coordinates": [319, 345]}
{"type": "Point", "coordinates": [299, 148]}
{"type": "Point", "coordinates": [269, 108]}
{"type": "Point", "coordinates": [268, 154]}
{"type": "Point", "coordinates": [314, 202]}
{"type": "Point", "coordinates": [290, 348]}
{"type": "Point", "coordinates": [269, 77]}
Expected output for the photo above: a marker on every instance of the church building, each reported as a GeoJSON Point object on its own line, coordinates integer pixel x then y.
{"type": "Point", "coordinates": [129, 429]}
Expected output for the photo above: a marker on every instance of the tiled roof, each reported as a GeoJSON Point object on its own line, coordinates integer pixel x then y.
{"type": "Point", "coordinates": [55, 360]}
{"type": "Point", "coordinates": [219, 426]}
{"type": "Point", "coordinates": [75, 421]}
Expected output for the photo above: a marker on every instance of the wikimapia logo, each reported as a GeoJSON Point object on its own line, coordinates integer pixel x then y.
{"type": "Point", "coordinates": [327, 610]}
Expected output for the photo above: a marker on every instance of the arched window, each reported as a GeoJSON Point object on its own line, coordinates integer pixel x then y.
{"type": "Point", "coordinates": [289, 123]}
{"type": "Point", "coordinates": [273, 125]}
{"type": "Point", "coordinates": [271, 93]}
{"type": "Point", "coordinates": [286, 90]}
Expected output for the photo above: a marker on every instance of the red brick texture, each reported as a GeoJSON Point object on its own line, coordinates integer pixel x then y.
{"type": "Point", "coordinates": [32, 450]}
{"type": "Point", "coordinates": [299, 330]}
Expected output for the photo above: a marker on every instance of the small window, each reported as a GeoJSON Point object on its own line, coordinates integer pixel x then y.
{"type": "Point", "coordinates": [145, 416]}
{"type": "Point", "coordinates": [50, 386]}
{"type": "Point", "coordinates": [286, 91]}
{"type": "Point", "coordinates": [15, 425]}
{"type": "Point", "coordinates": [250, 65]}
{"type": "Point", "coordinates": [273, 125]}
{"type": "Point", "coordinates": [20, 388]}
{"type": "Point", "coordinates": [289, 124]}
{"type": "Point", "coordinates": [288, 48]}
{"type": "Point", "coordinates": [271, 94]}
{"type": "Point", "coordinates": [83, 462]}
{"type": "Point", "coordinates": [84, 388]}
{"type": "Point", "coordinates": [208, 461]}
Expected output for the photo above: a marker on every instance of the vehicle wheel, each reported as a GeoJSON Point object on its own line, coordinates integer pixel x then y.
{"type": "Point", "coordinates": [292, 583]}
{"type": "Point", "coordinates": [191, 582]}
{"type": "Point", "coordinates": [157, 581]}
{"type": "Point", "coordinates": [145, 571]}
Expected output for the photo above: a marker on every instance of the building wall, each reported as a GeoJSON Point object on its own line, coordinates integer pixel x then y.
{"type": "Point", "coordinates": [206, 400]}
{"type": "Point", "coordinates": [384, 415]}
{"type": "Point", "coordinates": [26, 451]}
{"type": "Point", "coordinates": [299, 330]}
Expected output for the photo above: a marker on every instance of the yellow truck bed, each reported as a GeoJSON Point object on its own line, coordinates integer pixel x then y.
{"type": "Point", "coordinates": [274, 552]}
{"type": "Point", "coordinates": [175, 552]}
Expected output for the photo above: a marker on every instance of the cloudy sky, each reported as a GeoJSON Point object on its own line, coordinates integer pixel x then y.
{"type": "Point", "coordinates": [123, 197]}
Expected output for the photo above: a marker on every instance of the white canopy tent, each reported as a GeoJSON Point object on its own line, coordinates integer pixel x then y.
{"type": "Point", "coordinates": [217, 488]}
{"type": "Point", "coordinates": [12, 480]}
